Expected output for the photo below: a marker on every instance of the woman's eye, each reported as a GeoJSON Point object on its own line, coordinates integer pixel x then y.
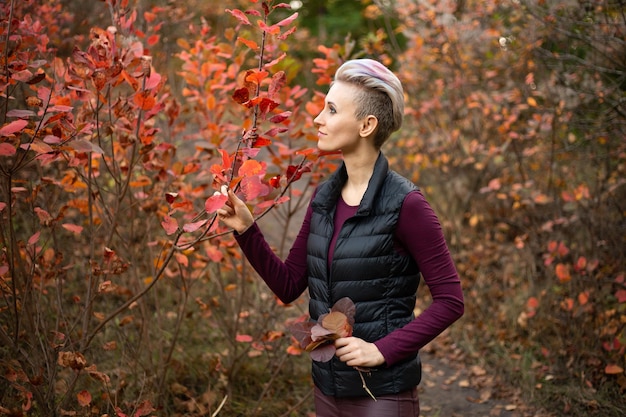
{"type": "Point", "coordinates": [332, 110]}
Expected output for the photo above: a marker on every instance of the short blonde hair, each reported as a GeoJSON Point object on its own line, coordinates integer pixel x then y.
{"type": "Point", "coordinates": [381, 94]}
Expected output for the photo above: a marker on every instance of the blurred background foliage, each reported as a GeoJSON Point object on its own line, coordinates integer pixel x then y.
{"type": "Point", "coordinates": [515, 129]}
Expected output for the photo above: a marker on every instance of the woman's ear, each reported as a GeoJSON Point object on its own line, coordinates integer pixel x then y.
{"type": "Point", "coordinates": [368, 126]}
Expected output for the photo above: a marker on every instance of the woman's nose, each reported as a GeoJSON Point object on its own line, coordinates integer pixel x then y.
{"type": "Point", "coordinates": [317, 121]}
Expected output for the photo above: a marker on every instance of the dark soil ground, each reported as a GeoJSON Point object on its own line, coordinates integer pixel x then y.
{"type": "Point", "coordinates": [452, 388]}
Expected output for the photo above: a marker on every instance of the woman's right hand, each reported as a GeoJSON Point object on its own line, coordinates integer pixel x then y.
{"type": "Point", "coordinates": [235, 214]}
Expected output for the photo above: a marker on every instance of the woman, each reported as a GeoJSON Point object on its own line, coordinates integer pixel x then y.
{"type": "Point", "coordinates": [368, 234]}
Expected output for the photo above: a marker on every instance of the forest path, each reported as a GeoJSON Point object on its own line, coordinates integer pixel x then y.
{"type": "Point", "coordinates": [452, 388]}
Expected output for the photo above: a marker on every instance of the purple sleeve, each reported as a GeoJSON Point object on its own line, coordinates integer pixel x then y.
{"type": "Point", "coordinates": [419, 232]}
{"type": "Point", "coordinates": [288, 279]}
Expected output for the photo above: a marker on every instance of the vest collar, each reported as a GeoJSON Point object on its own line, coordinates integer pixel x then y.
{"type": "Point", "coordinates": [328, 201]}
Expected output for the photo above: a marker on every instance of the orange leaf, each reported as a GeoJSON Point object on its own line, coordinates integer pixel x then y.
{"type": "Point", "coordinates": [337, 322]}
{"type": "Point", "coordinates": [226, 160]}
{"type": "Point", "coordinates": [250, 168]}
{"type": "Point", "coordinates": [567, 304]}
{"type": "Point", "coordinates": [214, 253]}
{"type": "Point", "coordinates": [250, 44]}
{"type": "Point", "coordinates": [613, 369]}
{"type": "Point", "coordinates": [294, 350]}
{"type": "Point", "coordinates": [532, 303]}
{"type": "Point", "coordinates": [256, 76]}
{"type": "Point", "coordinates": [144, 100]}
{"type": "Point", "coordinates": [562, 273]}
{"type": "Point", "coordinates": [272, 30]}
{"type": "Point", "coordinates": [583, 298]}
{"type": "Point", "coordinates": [84, 398]}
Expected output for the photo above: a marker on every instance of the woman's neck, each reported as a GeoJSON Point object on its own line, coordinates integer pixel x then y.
{"type": "Point", "coordinates": [359, 169]}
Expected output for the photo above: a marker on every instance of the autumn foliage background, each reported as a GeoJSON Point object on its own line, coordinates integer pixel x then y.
{"type": "Point", "coordinates": [122, 295]}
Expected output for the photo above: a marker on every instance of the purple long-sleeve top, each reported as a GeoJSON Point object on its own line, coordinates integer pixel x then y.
{"type": "Point", "coordinates": [418, 232]}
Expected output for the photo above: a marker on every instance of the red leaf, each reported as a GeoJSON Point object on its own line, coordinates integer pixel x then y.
{"type": "Point", "coordinates": [278, 81]}
{"type": "Point", "coordinates": [323, 353]}
{"type": "Point", "coordinates": [244, 338]}
{"type": "Point", "coordinates": [34, 238]}
{"type": "Point", "coordinates": [6, 149]}
{"type": "Point", "coordinates": [288, 20]}
{"type": "Point", "coordinates": [621, 296]}
{"type": "Point", "coordinates": [272, 30]}
{"type": "Point", "coordinates": [301, 331]}
{"type": "Point", "coordinates": [153, 80]}
{"type": "Point", "coordinates": [286, 34]}
{"type": "Point", "coordinates": [273, 132]}
{"type": "Point", "coordinates": [241, 95]}
{"type": "Point", "coordinates": [226, 160]}
{"type": "Point", "coordinates": [145, 408]}
{"type": "Point", "coordinates": [239, 15]}
{"type": "Point", "coordinates": [73, 228]}
{"type": "Point", "coordinates": [319, 332]}
{"type": "Point", "coordinates": [82, 145]}
{"type": "Point", "coordinates": [260, 141]}
{"type": "Point", "coordinates": [281, 117]}
{"type": "Point", "coordinates": [266, 105]}
{"type": "Point", "coordinates": [275, 181]}
{"type": "Point", "coordinates": [170, 197]}
{"type": "Point", "coordinates": [252, 187]}
{"type": "Point", "coordinates": [215, 202]}
{"type": "Point", "coordinates": [214, 253]}
{"type": "Point", "coordinates": [119, 412]}
{"type": "Point", "coordinates": [153, 40]}
{"type": "Point", "coordinates": [192, 227]}
{"type": "Point", "coordinates": [275, 61]}
{"type": "Point", "coordinates": [13, 127]}
{"type": "Point", "coordinates": [294, 174]}
{"type": "Point", "coordinates": [169, 224]}
{"type": "Point", "coordinates": [20, 113]}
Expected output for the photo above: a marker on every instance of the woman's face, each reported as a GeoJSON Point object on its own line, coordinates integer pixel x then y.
{"type": "Point", "coordinates": [338, 128]}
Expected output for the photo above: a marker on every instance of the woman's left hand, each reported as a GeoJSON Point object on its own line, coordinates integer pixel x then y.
{"type": "Point", "coordinates": [357, 352]}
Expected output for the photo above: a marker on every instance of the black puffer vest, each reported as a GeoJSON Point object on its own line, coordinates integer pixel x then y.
{"type": "Point", "coordinates": [367, 268]}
